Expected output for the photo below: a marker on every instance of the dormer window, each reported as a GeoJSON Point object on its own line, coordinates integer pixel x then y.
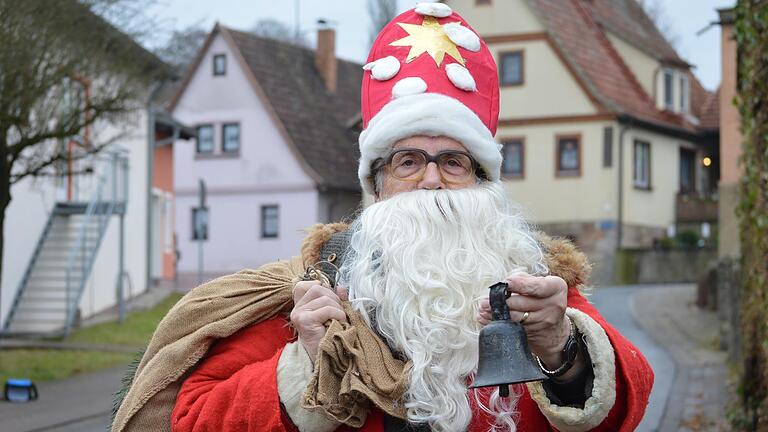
{"type": "Point", "coordinates": [219, 64]}
{"type": "Point", "coordinates": [669, 82]}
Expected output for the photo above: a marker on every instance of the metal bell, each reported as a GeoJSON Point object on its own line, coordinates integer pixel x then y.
{"type": "Point", "coordinates": [504, 355]}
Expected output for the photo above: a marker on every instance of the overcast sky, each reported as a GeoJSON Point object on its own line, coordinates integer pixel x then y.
{"type": "Point", "coordinates": [685, 18]}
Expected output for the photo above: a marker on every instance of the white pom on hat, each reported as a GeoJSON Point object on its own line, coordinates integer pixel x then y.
{"type": "Point", "coordinates": [462, 36]}
{"type": "Point", "coordinates": [383, 68]}
{"type": "Point", "coordinates": [408, 86]}
{"type": "Point", "coordinates": [437, 10]}
{"type": "Point", "coordinates": [460, 77]}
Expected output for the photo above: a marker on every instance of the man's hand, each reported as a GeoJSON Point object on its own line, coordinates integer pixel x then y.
{"type": "Point", "coordinates": [545, 298]}
{"type": "Point", "coordinates": [314, 304]}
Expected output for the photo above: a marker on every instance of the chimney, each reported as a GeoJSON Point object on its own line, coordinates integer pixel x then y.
{"type": "Point", "coordinates": [325, 57]}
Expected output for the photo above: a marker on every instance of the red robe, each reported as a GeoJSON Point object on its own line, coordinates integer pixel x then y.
{"type": "Point", "coordinates": [234, 388]}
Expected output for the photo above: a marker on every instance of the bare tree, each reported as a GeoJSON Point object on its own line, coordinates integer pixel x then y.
{"type": "Point", "coordinates": [274, 29]}
{"type": "Point", "coordinates": [656, 12]}
{"type": "Point", "coordinates": [63, 68]}
{"type": "Point", "coordinates": [381, 12]}
{"type": "Point", "coordinates": [182, 46]}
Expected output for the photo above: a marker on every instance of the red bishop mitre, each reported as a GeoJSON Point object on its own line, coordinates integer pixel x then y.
{"type": "Point", "coordinates": [430, 74]}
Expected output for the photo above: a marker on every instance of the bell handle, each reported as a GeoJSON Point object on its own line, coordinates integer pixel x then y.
{"type": "Point", "coordinates": [498, 299]}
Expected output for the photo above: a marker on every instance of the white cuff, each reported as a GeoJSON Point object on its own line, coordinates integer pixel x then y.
{"type": "Point", "coordinates": [597, 406]}
{"type": "Point", "coordinates": [294, 370]}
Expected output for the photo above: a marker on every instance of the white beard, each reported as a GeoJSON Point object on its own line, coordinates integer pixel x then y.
{"type": "Point", "coordinates": [417, 266]}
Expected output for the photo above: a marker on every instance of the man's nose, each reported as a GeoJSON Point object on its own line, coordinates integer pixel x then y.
{"type": "Point", "coordinates": [432, 178]}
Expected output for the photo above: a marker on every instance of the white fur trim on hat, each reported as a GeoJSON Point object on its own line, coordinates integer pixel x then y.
{"type": "Point", "coordinates": [383, 68]}
{"type": "Point", "coordinates": [408, 86]}
{"type": "Point", "coordinates": [462, 36]}
{"type": "Point", "coordinates": [437, 10]}
{"type": "Point", "coordinates": [599, 404]}
{"type": "Point", "coordinates": [460, 77]}
{"type": "Point", "coordinates": [430, 114]}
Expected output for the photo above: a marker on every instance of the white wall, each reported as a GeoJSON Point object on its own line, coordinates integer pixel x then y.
{"type": "Point", "coordinates": [264, 172]}
{"type": "Point", "coordinates": [34, 199]}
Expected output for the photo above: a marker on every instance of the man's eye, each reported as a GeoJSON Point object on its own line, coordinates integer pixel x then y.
{"type": "Point", "coordinates": [407, 162]}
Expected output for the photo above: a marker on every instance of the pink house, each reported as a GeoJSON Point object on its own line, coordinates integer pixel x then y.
{"type": "Point", "coordinates": [276, 145]}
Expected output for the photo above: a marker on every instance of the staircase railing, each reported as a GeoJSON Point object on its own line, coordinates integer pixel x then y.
{"type": "Point", "coordinates": [28, 271]}
{"type": "Point", "coordinates": [101, 207]}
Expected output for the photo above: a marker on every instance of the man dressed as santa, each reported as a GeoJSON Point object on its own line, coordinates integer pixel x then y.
{"type": "Point", "coordinates": [414, 269]}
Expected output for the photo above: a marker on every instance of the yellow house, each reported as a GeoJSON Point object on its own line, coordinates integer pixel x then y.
{"type": "Point", "coordinates": [606, 131]}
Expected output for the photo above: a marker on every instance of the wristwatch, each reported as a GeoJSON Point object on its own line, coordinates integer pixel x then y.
{"type": "Point", "coordinates": [569, 353]}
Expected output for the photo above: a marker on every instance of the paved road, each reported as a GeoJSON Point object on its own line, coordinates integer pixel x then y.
{"type": "Point", "coordinates": [614, 303]}
{"type": "Point", "coordinates": [82, 403]}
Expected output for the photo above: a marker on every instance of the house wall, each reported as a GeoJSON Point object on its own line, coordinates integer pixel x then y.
{"type": "Point", "coordinates": [266, 171]}
{"type": "Point", "coordinates": [499, 17]}
{"type": "Point", "coordinates": [548, 198]}
{"type": "Point", "coordinates": [652, 211]}
{"type": "Point", "coordinates": [730, 149]}
{"type": "Point", "coordinates": [33, 200]}
{"type": "Point", "coordinates": [642, 65]}
{"type": "Point", "coordinates": [100, 292]}
{"type": "Point", "coordinates": [548, 88]}
{"type": "Point", "coordinates": [162, 180]}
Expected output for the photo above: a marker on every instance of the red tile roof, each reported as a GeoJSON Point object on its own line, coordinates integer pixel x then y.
{"type": "Point", "coordinates": [577, 28]}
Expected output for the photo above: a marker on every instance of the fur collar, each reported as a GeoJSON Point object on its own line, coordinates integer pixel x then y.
{"type": "Point", "coordinates": [561, 256]}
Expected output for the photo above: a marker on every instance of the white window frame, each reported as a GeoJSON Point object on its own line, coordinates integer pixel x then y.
{"type": "Point", "coordinates": [685, 92]}
{"type": "Point", "coordinates": [668, 103]}
{"type": "Point", "coordinates": [641, 161]}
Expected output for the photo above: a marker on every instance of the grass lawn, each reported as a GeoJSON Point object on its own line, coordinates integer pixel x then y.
{"type": "Point", "coordinates": [41, 365]}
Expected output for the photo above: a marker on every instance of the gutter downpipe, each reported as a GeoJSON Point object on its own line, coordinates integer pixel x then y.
{"type": "Point", "coordinates": [150, 177]}
{"type": "Point", "coordinates": [626, 123]}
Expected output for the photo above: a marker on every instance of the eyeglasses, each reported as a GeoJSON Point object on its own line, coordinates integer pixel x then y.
{"type": "Point", "coordinates": [410, 164]}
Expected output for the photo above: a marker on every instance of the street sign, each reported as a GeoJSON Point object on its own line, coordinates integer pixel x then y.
{"type": "Point", "coordinates": [200, 223]}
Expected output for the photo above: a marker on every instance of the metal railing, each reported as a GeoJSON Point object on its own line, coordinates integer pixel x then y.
{"type": "Point", "coordinates": [101, 207]}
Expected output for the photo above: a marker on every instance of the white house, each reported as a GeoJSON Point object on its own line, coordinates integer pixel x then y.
{"type": "Point", "coordinates": [63, 237]}
{"type": "Point", "coordinates": [276, 147]}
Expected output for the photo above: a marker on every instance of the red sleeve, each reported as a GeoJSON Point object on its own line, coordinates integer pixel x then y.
{"type": "Point", "coordinates": [234, 388]}
{"type": "Point", "coordinates": [634, 376]}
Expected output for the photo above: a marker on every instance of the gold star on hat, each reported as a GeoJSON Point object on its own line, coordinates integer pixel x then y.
{"type": "Point", "coordinates": [428, 37]}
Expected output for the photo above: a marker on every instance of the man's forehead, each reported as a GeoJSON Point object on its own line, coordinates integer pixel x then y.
{"type": "Point", "coordinates": [429, 143]}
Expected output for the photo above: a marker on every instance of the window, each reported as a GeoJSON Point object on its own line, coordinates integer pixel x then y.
{"type": "Point", "coordinates": [230, 137]}
{"type": "Point", "coordinates": [511, 68]}
{"type": "Point", "coordinates": [568, 156]}
{"type": "Point", "coordinates": [607, 147]}
{"type": "Point", "coordinates": [269, 221]}
{"type": "Point", "coordinates": [687, 171]}
{"type": "Point", "coordinates": [668, 90]}
{"type": "Point", "coordinates": [642, 165]}
{"type": "Point", "coordinates": [219, 64]}
{"type": "Point", "coordinates": [204, 139]}
{"type": "Point", "coordinates": [684, 93]}
{"type": "Point", "coordinates": [513, 165]}
{"type": "Point", "coordinates": [482, 2]}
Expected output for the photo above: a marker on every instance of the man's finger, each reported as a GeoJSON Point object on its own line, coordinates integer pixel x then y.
{"type": "Point", "coordinates": [521, 303]}
{"type": "Point", "coordinates": [319, 303]}
{"type": "Point", "coordinates": [342, 292]}
{"type": "Point", "coordinates": [326, 313]}
{"type": "Point", "coordinates": [314, 292]}
{"type": "Point", "coordinates": [530, 286]}
{"type": "Point", "coordinates": [301, 288]}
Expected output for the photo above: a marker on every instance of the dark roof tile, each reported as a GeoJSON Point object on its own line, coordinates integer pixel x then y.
{"type": "Point", "coordinates": [315, 119]}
